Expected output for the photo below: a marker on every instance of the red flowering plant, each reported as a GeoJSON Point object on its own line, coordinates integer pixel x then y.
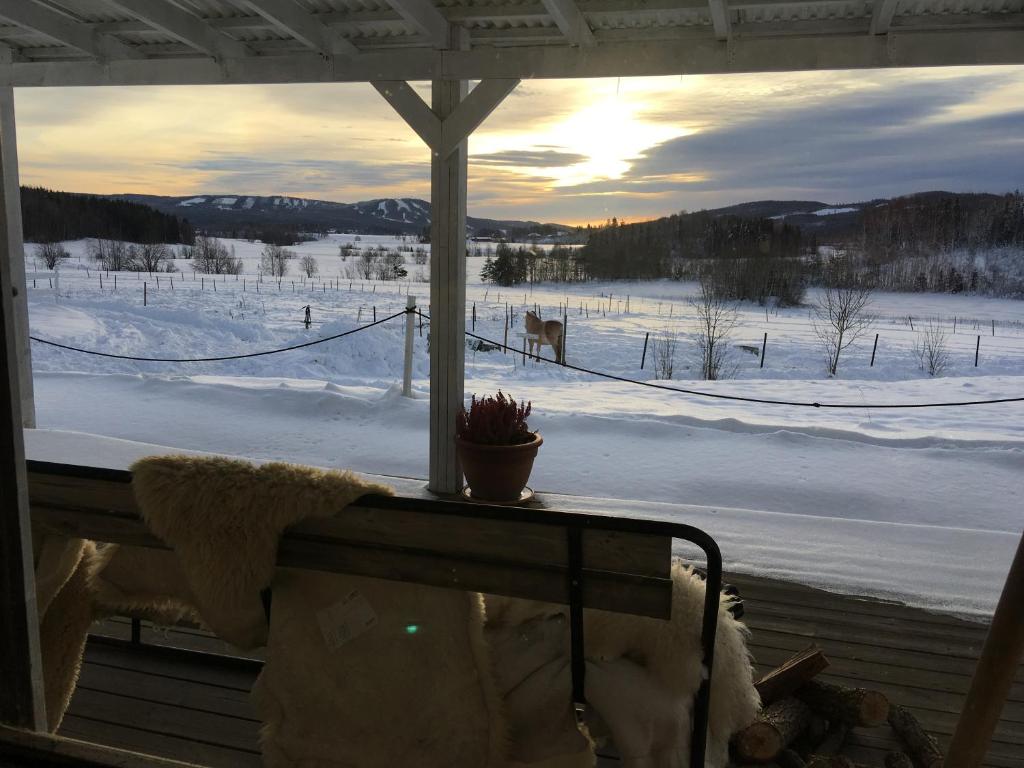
{"type": "Point", "coordinates": [494, 421]}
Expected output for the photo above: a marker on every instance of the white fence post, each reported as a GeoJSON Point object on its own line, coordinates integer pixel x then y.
{"type": "Point", "coordinates": [410, 304]}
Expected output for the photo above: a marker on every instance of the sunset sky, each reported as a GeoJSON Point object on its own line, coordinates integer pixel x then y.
{"type": "Point", "coordinates": [566, 151]}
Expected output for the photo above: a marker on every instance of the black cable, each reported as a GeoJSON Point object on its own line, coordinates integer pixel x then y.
{"type": "Point", "coordinates": [224, 357]}
{"type": "Point", "coordinates": [740, 398]}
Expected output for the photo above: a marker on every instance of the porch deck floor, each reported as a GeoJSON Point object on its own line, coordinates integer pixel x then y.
{"type": "Point", "coordinates": [198, 710]}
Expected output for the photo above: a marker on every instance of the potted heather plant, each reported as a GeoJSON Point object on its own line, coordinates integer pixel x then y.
{"type": "Point", "coordinates": [496, 447]}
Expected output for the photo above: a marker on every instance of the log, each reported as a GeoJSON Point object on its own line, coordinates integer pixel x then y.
{"type": "Point", "coordinates": [898, 760]}
{"type": "Point", "coordinates": [773, 731]}
{"type": "Point", "coordinates": [830, 761]}
{"type": "Point", "coordinates": [853, 706]}
{"type": "Point", "coordinates": [790, 759]}
{"type": "Point", "coordinates": [807, 742]}
{"type": "Point", "coordinates": [919, 745]}
{"type": "Point", "coordinates": [833, 742]}
{"type": "Point", "coordinates": [784, 680]}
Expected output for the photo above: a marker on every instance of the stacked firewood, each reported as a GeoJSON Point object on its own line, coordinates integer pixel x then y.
{"type": "Point", "coordinates": [804, 723]}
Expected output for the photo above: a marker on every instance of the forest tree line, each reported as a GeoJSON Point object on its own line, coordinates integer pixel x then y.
{"type": "Point", "coordinates": [49, 216]}
{"type": "Point", "coordinates": [930, 242]}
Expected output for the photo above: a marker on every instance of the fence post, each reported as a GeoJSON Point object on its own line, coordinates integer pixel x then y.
{"type": "Point", "coordinates": [993, 327]}
{"type": "Point", "coordinates": [524, 351]}
{"type": "Point", "coordinates": [505, 351]}
{"type": "Point", "coordinates": [763, 345]}
{"type": "Point", "coordinates": [410, 305]}
{"type": "Point", "coordinates": [474, 316]}
{"type": "Point", "coordinates": [873, 349]}
{"type": "Point", "coordinates": [911, 321]}
{"type": "Point", "coordinates": [144, 297]}
{"type": "Point", "coordinates": [375, 313]}
{"type": "Point", "coordinates": [643, 357]}
{"type": "Point", "coordinates": [977, 349]}
{"type": "Point", "coordinates": [565, 326]}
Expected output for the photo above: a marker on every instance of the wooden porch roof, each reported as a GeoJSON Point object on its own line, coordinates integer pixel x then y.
{"type": "Point", "coordinates": [144, 42]}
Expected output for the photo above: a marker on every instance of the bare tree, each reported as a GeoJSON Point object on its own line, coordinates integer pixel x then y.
{"type": "Point", "coordinates": [51, 254]}
{"type": "Point", "coordinates": [716, 319]}
{"type": "Point", "coordinates": [665, 345]}
{"type": "Point", "coordinates": [211, 256]}
{"type": "Point", "coordinates": [113, 255]}
{"type": "Point", "coordinates": [308, 265]}
{"type": "Point", "coordinates": [274, 260]}
{"type": "Point", "coordinates": [153, 257]}
{"type": "Point", "coordinates": [367, 262]}
{"type": "Point", "coordinates": [931, 350]}
{"type": "Point", "coordinates": [839, 317]}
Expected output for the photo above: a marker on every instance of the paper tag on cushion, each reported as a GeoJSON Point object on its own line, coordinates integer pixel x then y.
{"type": "Point", "coordinates": [346, 620]}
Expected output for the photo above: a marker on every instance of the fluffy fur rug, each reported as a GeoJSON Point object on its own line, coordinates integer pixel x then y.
{"type": "Point", "coordinates": [359, 672]}
{"type": "Point", "coordinates": [371, 673]}
{"type": "Point", "coordinates": [642, 675]}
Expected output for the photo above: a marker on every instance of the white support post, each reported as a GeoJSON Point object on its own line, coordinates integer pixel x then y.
{"type": "Point", "coordinates": [22, 701]}
{"type": "Point", "coordinates": [12, 255]}
{"type": "Point", "coordinates": [447, 294]}
{"type": "Point", "coordinates": [410, 317]}
{"type": "Point", "coordinates": [445, 127]}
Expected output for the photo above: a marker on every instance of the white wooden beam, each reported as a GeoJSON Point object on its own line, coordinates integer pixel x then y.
{"type": "Point", "coordinates": [444, 136]}
{"type": "Point", "coordinates": [408, 104]}
{"type": "Point", "coordinates": [22, 701]}
{"type": "Point", "coordinates": [61, 29]}
{"type": "Point", "coordinates": [183, 26]}
{"type": "Point", "coordinates": [293, 20]}
{"type": "Point", "coordinates": [14, 266]}
{"type": "Point", "coordinates": [720, 19]}
{"type": "Point", "coordinates": [447, 295]}
{"type": "Point", "coordinates": [472, 111]}
{"type": "Point", "coordinates": [882, 13]}
{"type": "Point", "coordinates": [570, 21]}
{"type": "Point", "coordinates": [428, 21]}
{"type": "Point", "coordinates": [637, 58]}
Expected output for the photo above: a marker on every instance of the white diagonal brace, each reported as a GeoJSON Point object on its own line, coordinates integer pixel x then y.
{"type": "Point", "coordinates": [472, 111]}
{"type": "Point", "coordinates": [413, 109]}
{"type": "Point", "coordinates": [57, 27]}
{"type": "Point", "coordinates": [570, 21]}
{"type": "Point", "coordinates": [881, 16]}
{"type": "Point", "coordinates": [293, 20]}
{"type": "Point", "coordinates": [428, 21]}
{"type": "Point", "coordinates": [720, 19]}
{"type": "Point", "coordinates": [183, 26]}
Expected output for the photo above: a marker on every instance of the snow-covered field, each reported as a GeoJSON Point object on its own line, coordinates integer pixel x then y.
{"type": "Point", "coordinates": [922, 504]}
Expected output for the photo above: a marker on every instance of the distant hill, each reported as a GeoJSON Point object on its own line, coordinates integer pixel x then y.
{"type": "Point", "coordinates": [48, 216]}
{"type": "Point", "coordinates": [237, 214]}
{"type": "Point", "coordinates": [838, 221]}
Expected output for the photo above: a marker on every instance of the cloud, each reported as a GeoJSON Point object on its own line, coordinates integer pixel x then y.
{"type": "Point", "coordinates": [554, 150]}
{"type": "Point", "coordinates": [886, 141]}
{"type": "Point", "coordinates": [538, 158]}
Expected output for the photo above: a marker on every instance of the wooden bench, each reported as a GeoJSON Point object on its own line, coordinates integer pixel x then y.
{"type": "Point", "coordinates": [571, 558]}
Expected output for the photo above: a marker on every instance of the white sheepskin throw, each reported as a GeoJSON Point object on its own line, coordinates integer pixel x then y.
{"type": "Point", "coordinates": [359, 672]}
{"type": "Point", "coordinates": [641, 677]}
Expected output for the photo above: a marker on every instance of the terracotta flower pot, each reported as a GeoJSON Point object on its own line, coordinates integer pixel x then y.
{"type": "Point", "coordinates": [497, 472]}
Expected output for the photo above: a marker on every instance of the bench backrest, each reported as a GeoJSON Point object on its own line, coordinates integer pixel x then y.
{"type": "Point", "coordinates": [496, 550]}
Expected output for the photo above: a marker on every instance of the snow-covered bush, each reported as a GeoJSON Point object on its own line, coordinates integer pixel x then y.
{"type": "Point", "coordinates": [51, 254]}
{"type": "Point", "coordinates": [931, 350]}
{"type": "Point", "coordinates": [665, 345]}
{"type": "Point", "coordinates": [716, 319]}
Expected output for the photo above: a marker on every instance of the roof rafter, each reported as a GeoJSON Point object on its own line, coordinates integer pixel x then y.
{"type": "Point", "coordinates": [183, 26]}
{"type": "Point", "coordinates": [428, 21]}
{"type": "Point", "coordinates": [293, 20]}
{"type": "Point", "coordinates": [570, 21]}
{"type": "Point", "coordinates": [720, 19]}
{"type": "Point", "coordinates": [60, 28]}
{"type": "Point", "coordinates": [881, 16]}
